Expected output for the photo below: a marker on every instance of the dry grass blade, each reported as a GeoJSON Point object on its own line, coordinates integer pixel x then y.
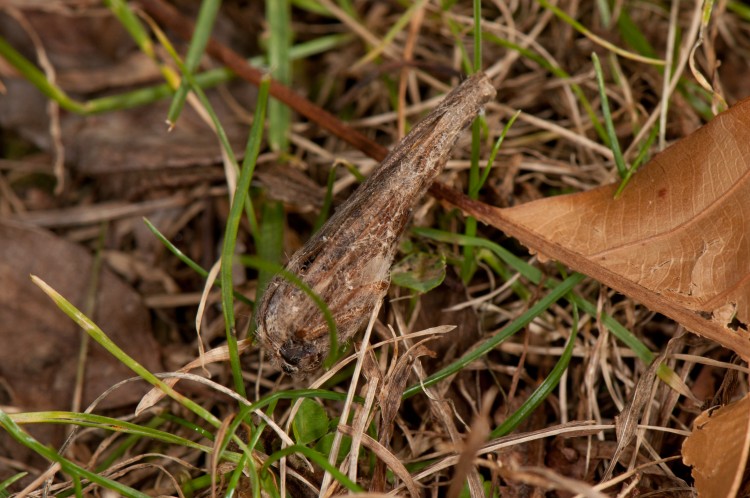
{"type": "Point", "coordinates": [478, 433]}
{"type": "Point", "coordinates": [389, 459]}
{"type": "Point", "coordinates": [362, 415]}
{"type": "Point", "coordinates": [548, 479]}
{"type": "Point", "coordinates": [220, 354]}
{"type": "Point", "coordinates": [390, 401]}
{"type": "Point", "coordinates": [626, 424]}
{"type": "Point", "coordinates": [89, 215]}
{"type": "Point", "coordinates": [221, 437]}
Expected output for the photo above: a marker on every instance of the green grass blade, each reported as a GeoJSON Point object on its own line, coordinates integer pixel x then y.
{"type": "Point", "coordinates": [477, 14]}
{"type": "Point", "coordinates": [469, 264]}
{"type": "Point", "coordinates": [325, 209]}
{"type": "Point", "coordinates": [203, 26]}
{"type": "Point", "coordinates": [348, 7]}
{"type": "Point", "coordinates": [187, 424]}
{"type": "Point", "coordinates": [106, 424]}
{"type": "Point", "coordinates": [278, 16]}
{"type": "Point", "coordinates": [5, 484]}
{"type": "Point", "coordinates": [192, 487]}
{"type": "Point", "coordinates": [77, 487]}
{"type": "Point", "coordinates": [605, 13]}
{"type": "Point", "coordinates": [633, 36]}
{"type": "Point", "coordinates": [474, 192]}
{"type": "Point", "coordinates": [617, 329]}
{"type": "Point", "coordinates": [224, 141]}
{"type": "Point", "coordinates": [740, 8]}
{"type": "Point", "coordinates": [457, 32]}
{"type": "Point", "coordinates": [38, 78]}
{"type": "Point", "coordinates": [614, 144]}
{"type": "Point", "coordinates": [234, 480]}
{"type": "Point", "coordinates": [188, 261]}
{"type": "Point", "coordinates": [232, 227]}
{"type": "Point", "coordinates": [201, 34]}
{"type": "Point", "coordinates": [558, 292]}
{"type": "Point", "coordinates": [270, 243]}
{"type": "Point", "coordinates": [67, 466]}
{"type": "Point", "coordinates": [535, 276]}
{"type": "Point", "coordinates": [356, 173]}
{"type": "Point", "coordinates": [99, 336]}
{"type": "Point", "coordinates": [247, 460]}
{"type": "Point", "coordinates": [133, 25]}
{"type": "Point", "coordinates": [144, 96]}
{"type": "Point", "coordinates": [490, 259]}
{"type": "Point", "coordinates": [526, 270]}
{"type": "Point", "coordinates": [276, 396]}
{"type": "Point", "coordinates": [189, 80]}
{"type": "Point", "coordinates": [312, 6]}
{"type": "Point", "coordinates": [640, 159]}
{"type": "Point", "coordinates": [316, 457]}
{"type": "Point", "coordinates": [545, 388]}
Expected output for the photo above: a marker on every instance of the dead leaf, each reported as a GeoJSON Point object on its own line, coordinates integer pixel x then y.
{"type": "Point", "coordinates": [87, 41]}
{"type": "Point", "coordinates": [39, 356]}
{"type": "Point", "coordinates": [676, 240]}
{"type": "Point", "coordinates": [129, 153]}
{"type": "Point", "coordinates": [92, 53]}
{"type": "Point", "coordinates": [718, 449]}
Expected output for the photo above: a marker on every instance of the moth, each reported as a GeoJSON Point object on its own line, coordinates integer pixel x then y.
{"type": "Point", "coordinates": [347, 262]}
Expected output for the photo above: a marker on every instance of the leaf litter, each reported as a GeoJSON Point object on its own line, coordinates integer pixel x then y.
{"type": "Point", "coordinates": [551, 149]}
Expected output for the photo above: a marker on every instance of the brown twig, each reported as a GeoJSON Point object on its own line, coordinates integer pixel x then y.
{"type": "Point", "coordinates": [170, 17]}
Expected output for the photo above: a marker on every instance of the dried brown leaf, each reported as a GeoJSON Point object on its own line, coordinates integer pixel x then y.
{"type": "Point", "coordinates": [40, 347]}
{"type": "Point", "coordinates": [718, 449]}
{"type": "Point", "coordinates": [676, 240]}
